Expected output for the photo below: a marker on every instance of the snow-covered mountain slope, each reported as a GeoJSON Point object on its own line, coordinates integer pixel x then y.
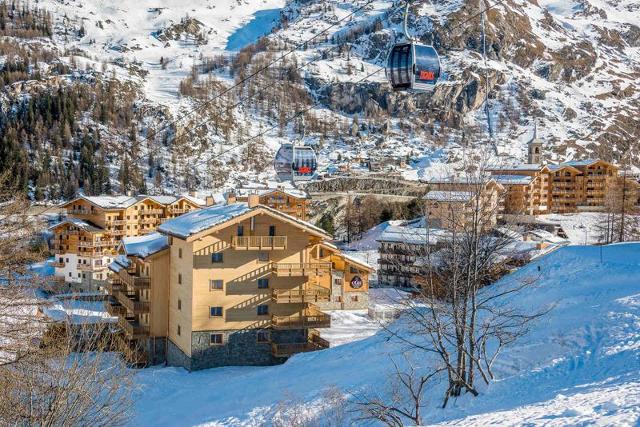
{"type": "Point", "coordinates": [572, 65]}
{"type": "Point", "coordinates": [577, 365]}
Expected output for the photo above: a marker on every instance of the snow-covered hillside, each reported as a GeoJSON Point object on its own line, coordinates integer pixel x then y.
{"type": "Point", "coordinates": [572, 65]}
{"type": "Point", "coordinates": [577, 366]}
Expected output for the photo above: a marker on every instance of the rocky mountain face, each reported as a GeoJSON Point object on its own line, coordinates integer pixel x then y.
{"type": "Point", "coordinates": [572, 66]}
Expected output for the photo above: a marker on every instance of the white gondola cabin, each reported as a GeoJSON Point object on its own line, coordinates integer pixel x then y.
{"type": "Point", "coordinates": [295, 163]}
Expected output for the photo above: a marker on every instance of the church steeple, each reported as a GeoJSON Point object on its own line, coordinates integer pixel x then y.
{"type": "Point", "coordinates": [535, 147]}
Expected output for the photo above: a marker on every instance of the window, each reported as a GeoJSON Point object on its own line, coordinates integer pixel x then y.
{"type": "Point", "coordinates": [179, 330]}
{"type": "Point", "coordinates": [216, 257]}
{"type": "Point", "coordinates": [263, 336]}
{"type": "Point", "coordinates": [179, 278]}
{"type": "Point", "coordinates": [272, 230]}
{"type": "Point", "coordinates": [354, 270]}
{"type": "Point", "coordinates": [338, 298]}
{"type": "Point", "coordinates": [263, 283]}
{"type": "Point", "coordinates": [215, 285]}
{"type": "Point", "coordinates": [263, 310]}
{"type": "Point", "coordinates": [215, 311]}
{"type": "Point", "coordinates": [216, 339]}
{"type": "Point", "coordinates": [354, 298]}
{"type": "Point", "coordinates": [263, 256]}
{"type": "Point", "coordinates": [179, 252]}
{"type": "Point", "coordinates": [179, 304]}
{"type": "Point", "coordinates": [240, 230]}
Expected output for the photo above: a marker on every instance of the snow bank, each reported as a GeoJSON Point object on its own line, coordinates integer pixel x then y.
{"type": "Point", "coordinates": [579, 364]}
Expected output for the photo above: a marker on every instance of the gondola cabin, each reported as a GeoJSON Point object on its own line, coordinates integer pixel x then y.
{"type": "Point", "coordinates": [295, 163]}
{"type": "Point", "coordinates": [413, 66]}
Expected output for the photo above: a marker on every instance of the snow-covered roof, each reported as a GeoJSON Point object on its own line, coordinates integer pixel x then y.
{"type": "Point", "coordinates": [413, 235]}
{"type": "Point", "coordinates": [293, 192]}
{"type": "Point", "coordinates": [144, 246]}
{"type": "Point", "coordinates": [347, 257]}
{"type": "Point", "coordinates": [123, 202]}
{"type": "Point", "coordinates": [84, 225]}
{"type": "Point", "coordinates": [119, 262]}
{"type": "Point", "coordinates": [513, 179]}
{"type": "Point", "coordinates": [574, 163]}
{"type": "Point", "coordinates": [200, 220]}
{"type": "Point", "coordinates": [111, 202]}
{"type": "Point", "coordinates": [519, 167]}
{"type": "Point", "coordinates": [449, 196]}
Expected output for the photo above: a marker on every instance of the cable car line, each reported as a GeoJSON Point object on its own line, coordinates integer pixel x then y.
{"type": "Point", "coordinates": [260, 70]}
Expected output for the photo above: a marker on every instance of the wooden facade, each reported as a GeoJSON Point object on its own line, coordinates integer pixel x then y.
{"type": "Point", "coordinates": [258, 270]}
{"type": "Point", "coordinates": [95, 227]}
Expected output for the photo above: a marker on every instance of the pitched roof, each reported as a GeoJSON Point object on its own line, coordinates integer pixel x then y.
{"type": "Point", "coordinates": [519, 167]}
{"type": "Point", "coordinates": [144, 246]}
{"type": "Point", "coordinates": [119, 262]}
{"type": "Point", "coordinates": [82, 224]}
{"type": "Point", "coordinates": [513, 179]}
{"type": "Point", "coordinates": [412, 235]}
{"type": "Point", "coordinates": [203, 219]}
{"type": "Point", "coordinates": [123, 202]}
{"type": "Point", "coordinates": [449, 196]}
{"type": "Point", "coordinates": [198, 221]}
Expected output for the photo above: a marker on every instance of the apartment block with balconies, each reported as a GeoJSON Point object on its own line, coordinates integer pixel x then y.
{"type": "Point", "coordinates": [290, 201]}
{"type": "Point", "coordinates": [246, 285]}
{"type": "Point", "coordinates": [108, 219]}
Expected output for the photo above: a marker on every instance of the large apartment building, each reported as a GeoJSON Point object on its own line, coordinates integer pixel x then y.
{"type": "Point", "coordinates": [536, 188]}
{"type": "Point", "coordinates": [233, 284]}
{"type": "Point", "coordinates": [452, 202]}
{"type": "Point", "coordinates": [85, 243]}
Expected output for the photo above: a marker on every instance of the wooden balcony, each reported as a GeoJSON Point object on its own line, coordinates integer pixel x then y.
{"type": "Point", "coordinates": [310, 317]}
{"type": "Point", "coordinates": [289, 349]}
{"type": "Point", "coordinates": [132, 328]}
{"type": "Point", "coordinates": [259, 243]}
{"type": "Point", "coordinates": [58, 264]}
{"type": "Point", "coordinates": [133, 281]}
{"type": "Point", "coordinates": [113, 222]}
{"type": "Point", "coordinates": [113, 286]}
{"type": "Point", "coordinates": [81, 212]}
{"type": "Point", "coordinates": [85, 267]}
{"type": "Point", "coordinates": [301, 269]}
{"type": "Point", "coordinates": [114, 308]}
{"type": "Point", "coordinates": [132, 303]}
{"type": "Point", "coordinates": [151, 221]}
{"type": "Point", "coordinates": [116, 232]}
{"type": "Point", "coordinates": [177, 211]}
{"type": "Point", "coordinates": [151, 211]}
{"type": "Point", "coordinates": [301, 295]}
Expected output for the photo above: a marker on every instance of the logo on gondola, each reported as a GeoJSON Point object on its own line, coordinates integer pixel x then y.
{"type": "Point", "coordinates": [356, 282]}
{"type": "Point", "coordinates": [427, 75]}
{"type": "Point", "coordinates": [304, 169]}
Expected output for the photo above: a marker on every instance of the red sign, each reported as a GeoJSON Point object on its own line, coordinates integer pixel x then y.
{"type": "Point", "coordinates": [304, 169]}
{"type": "Point", "coordinates": [427, 75]}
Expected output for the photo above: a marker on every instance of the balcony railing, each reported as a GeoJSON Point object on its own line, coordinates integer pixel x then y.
{"type": "Point", "coordinates": [132, 303]}
{"type": "Point", "coordinates": [301, 295]}
{"type": "Point", "coordinates": [148, 221]}
{"type": "Point", "coordinates": [80, 212]}
{"type": "Point", "coordinates": [259, 242]}
{"type": "Point", "coordinates": [288, 349]}
{"type": "Point", "coordinates": [58, 264]}
{"type": "Point", "coordinates": [85, 267]}
{"type": "Point", "coordinates": [177, 211]}
{"type": "Point", "coordinates": [310, 317]}
{"type": "Point", "coordinates": [132, 328]}
{"type": "Point", "coordinates": [116, 232]}
{"type": "Point", "coordinates": [113, 222]}
{"type": "Point", "coordinates": [301, 269]}
{"type": "Point", "coordinates": [96, 244]}
{"type": "Point", "coordinates": [113, 285]}
{"type": "Point", "coordinates": [134, 282]}
{"type": "Point", "coordinates": [151, 211]}
{"type": "Point", "coordinates": [114, 308]}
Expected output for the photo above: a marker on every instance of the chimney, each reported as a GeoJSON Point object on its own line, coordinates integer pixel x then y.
{"type": "Point", "coordinates": [231, 197]}
{"type": "Point", "coordinates": [209, 201]}
{"type": "Point", "coordinates": [193, 194]}
{"type": "Point", "coordinates": [129, 193]}
{"type": "Point", "coordinates": [253, 200]}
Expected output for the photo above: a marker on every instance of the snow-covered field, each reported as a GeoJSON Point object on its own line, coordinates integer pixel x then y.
{"type": "Point", "coordinates": [577, 366]}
